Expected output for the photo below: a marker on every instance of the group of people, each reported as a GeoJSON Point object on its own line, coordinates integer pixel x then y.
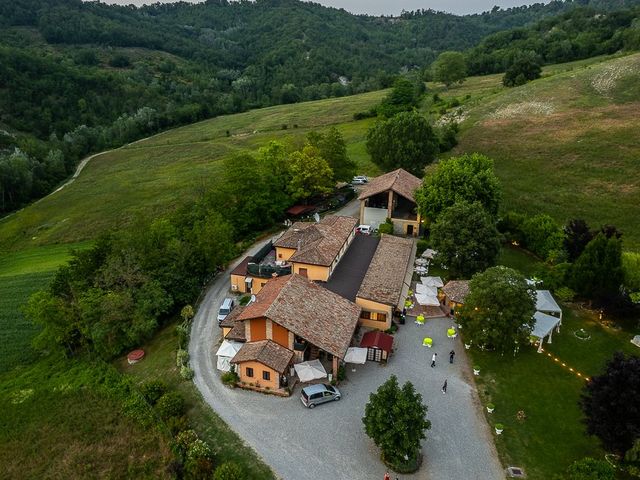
{"type": "Point", "coordinates": [452, 355]}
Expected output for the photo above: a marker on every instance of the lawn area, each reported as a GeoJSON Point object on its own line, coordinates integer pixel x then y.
{"type": "Point", "coordinates": [22, 274]}
{"type": "Point", "coordinates": [159, 363]}
{"type": "Point", "coordinates": [566, 144]}
{"type": "Point", "coordinates": [57, 421]}
{"type": "Point", "coordinates": [552, 435]}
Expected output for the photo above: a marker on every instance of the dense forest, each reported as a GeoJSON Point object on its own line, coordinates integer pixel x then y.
{"type": "Point", "coordinates": [78, 77]}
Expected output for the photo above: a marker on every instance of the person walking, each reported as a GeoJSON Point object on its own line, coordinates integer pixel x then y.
{"type": "Point", "coordinates": [433, 360]}
{"type": "Point", "coordinates": [387, 476]}
{"type": "Point", "coordinates": [451, 355]}
{"type": "Point", "coordinates": [444, 387]}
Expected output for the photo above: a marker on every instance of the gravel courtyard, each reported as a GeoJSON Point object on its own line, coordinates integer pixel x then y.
{"type": "Point", "coordinates": [329, 441]}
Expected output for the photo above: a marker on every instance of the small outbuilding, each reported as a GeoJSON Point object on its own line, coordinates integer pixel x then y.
{"type": "Point", "coordinates": [379, 345]}
{"type": "Point", "coordinates": [453, 295]}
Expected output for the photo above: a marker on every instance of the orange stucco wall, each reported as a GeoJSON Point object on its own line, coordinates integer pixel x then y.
{"type": "Point", "coordinates": [314, 272]}
{"type": "Point", "coordinates": [237, 284]}
{"type": "Point", "coordinates": [375, 307]}
{"type": "Point", "coordinates": [258, 329]}
{"type": "Point", "coordinates": [225, 331]}
{"type": "Point", "coordinates": [280, 335]}
{"type": "Point", "coordinates": [284, 253]}
{"type": "Point", "coordinates": [258, 368]}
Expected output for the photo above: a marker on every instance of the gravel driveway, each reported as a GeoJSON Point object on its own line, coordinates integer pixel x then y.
{"type": "Point", "coordinates": [329, 441]}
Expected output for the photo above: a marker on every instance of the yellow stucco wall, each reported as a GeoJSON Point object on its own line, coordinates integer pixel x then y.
{"type": "Point", "coordinates": [258, 368]}
{"type": "Point", "coordinates": [237, 284]}
{"type": "Point", "coordinates": [225, 331]}
{"type": "Point", "coordinates": [400, 226]}
{"type": "Point", "coordinates": [314, 272]}
{"type": "Point", "coordinates": [284, 254]}
{"type": "Point", "coordinates": [375, 307]}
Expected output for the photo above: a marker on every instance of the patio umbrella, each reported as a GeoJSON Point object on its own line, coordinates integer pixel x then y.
{"type": "Point", "coordinates": [429, 253]}
{"type": "Point", "coordinates": [311, 370]}
{"type": "Point", "coordinates": [421, 261]}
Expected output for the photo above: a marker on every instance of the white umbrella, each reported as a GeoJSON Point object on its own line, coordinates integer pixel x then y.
{"type": "Point", "coordinates": [432, 281]}
{"type": "Point", "coordinates": [311, 370]}
{"type": "Point", "coordinates": [426, 290]}
{"type": "Point", "coordinates": [428, 253]}
{"type": "Point", "coordinates": [421, 270]}
{"type": "Point", "coordinates": [356, 355]}
{"type": "Point", "coordinates": [421, 261]}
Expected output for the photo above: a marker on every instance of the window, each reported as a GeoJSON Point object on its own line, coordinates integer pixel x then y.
{"type": "Point", "coordinates": [303, 272]}
{"type": "Point", "coordinates": [381, 317]}
{"type": "Point", "coordinates": [266, 375]}
{"type": "Point", "coordinates": [249, 372]}
{"type": "Point", "coordinates": [365, 315]}
{"type": "Point", "coordinates": [279, 255]}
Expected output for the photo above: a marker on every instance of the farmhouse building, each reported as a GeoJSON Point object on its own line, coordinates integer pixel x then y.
{"type": "Point", "coordinates": [312, 250]}
{"type": "Point", "coordinates": [392, 196]}
{"type": "Point", "coordinates": [300, 317]}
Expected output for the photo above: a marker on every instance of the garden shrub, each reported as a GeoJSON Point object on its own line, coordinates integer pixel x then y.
{"type": "Point", "coordinates": [591, 469]}
{"type": "Point", "coordinates": [199, 460]}
{"type": "Point", "coordinates": [153, 390]}
{"type": "Point", "coordinates": [342, 373]}
{"type": "Point", "coordinates": [228, 471]}
{"type": "Point", "coordinates": [177, 424]}
{"type": "Point", "coordinates": [182, 332]}
{"type": "Point", "coordinates": [542, 235]}
{"type": "Point", "coordinates": [421, 247]}
{"type": "Point", "coordinates": [182, 357]}
{"type": "Point", "coordinates": [229, 378]}
{"type": "Point", "coordinates": [565, 294]}
{"type": "Point", "coordinates": [386, 227]}
{"type": "Point", "coordinates": [186, 372]}
{"type": "Point", "coordinates": [170, 405]}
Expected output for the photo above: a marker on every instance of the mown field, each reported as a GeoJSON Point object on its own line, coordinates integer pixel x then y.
{"type": "Point", "coordinates": [566, 145]}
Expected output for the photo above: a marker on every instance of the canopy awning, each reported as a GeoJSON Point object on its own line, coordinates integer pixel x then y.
{"type": "Point", "coordinates": [546, 303]}
{"type": "Point", "coordinates": [429, 253]}
{"type": "Point", "coordinates": [356, 355]}
{"type": "Point", "coordinates": [432, 281]}
{"type": "Point", "coordinates": [225, 353]}
{"type": "Point", "coordinates": [426, 290]}
{"type": "Point", "coordinates": [311, 370]}
{"type": "Point", "coordinates": [428, 300]}
{"type": "Point", "coordinates": [544, 324]}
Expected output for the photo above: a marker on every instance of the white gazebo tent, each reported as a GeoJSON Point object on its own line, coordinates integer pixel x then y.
{"type": "Point", "coordinates": [428, 300]}
{"type": "Point", "coordinates": [311, 370]}
{"type": "Point", "coordinates": [432, 282]}
{"type": "Point", "coordinates": [225, 353]}
{"type": "Point", "coordinates": [426, 290]}
{"type": "Point", "coordinates": [544, 327]}
{"type": "Point", "coordinates": [356, 355]}
{"type": "Point", "coordinates": [545, 303]}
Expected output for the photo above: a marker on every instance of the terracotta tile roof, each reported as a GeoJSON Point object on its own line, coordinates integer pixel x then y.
{"type": "Point", "coordinates": [377, 339]}
{"type": "Point", "coordinates": [266, 352]}
{"type": "Point", "coordinates": [308, 310]}
{"type": "Point", "coordinates": [237, 332]}
{"type": "Point", "coordinates": [318, 243]}
{"type": "Point", "coordinates": [241, 269]}
{"type": "Point", "coordinates": [456, 290]}
{"type": "Point", "coordinates": [400, 181]}
{"type": "Point", "coordinates": [230, 320]}
{"type": "Point", "coordinates": [387, 275]}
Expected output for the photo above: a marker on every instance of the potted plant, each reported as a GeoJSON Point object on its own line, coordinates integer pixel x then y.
{"type": "Point", "coordinates": [499, 428]}
{"type": "Point", "coordinates": [490, 407]}
{"type": "Point", "coordinates": [476, 370]}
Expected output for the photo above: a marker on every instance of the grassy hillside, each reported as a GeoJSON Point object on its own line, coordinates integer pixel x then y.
{"type": "Point", "coordinates": [567, 145]}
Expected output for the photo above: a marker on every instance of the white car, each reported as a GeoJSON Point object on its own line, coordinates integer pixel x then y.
{"type": "Point", "coordinates": [364, 230]}
{"type": "Point", "coordinates": [359, 180]}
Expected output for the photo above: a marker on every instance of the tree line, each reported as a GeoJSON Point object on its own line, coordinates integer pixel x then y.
{"type": "Point", "coordinates": [114, 295]}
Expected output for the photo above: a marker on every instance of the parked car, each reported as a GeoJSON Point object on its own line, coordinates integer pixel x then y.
{"type": "Point", "coordinates": [364, 229]}
{"type": "Point", "coordinates": [319, 393]}
{"type": "Point", "coordinates": [225, 309]}
{"type": "Point", "coordinates": [359, 180]}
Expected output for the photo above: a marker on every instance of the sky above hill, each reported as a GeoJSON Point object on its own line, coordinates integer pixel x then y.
{"type": "Point", "coordinates": [392, 7]}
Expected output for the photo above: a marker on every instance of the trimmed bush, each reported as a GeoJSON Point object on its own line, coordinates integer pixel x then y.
{"type": "Point", "coordinates": [229, 471]}
{"type": "Point", "coordinates": [182, 357]}
{"type": "Point", "coordinates": [170, 405]}
{"type": "Point", "coordinates": [186, 372]}
{"type": "Point", "coordinates": [229, 378]}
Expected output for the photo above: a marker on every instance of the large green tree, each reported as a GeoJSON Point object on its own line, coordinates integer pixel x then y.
{"type": "Point", "coordinates": [404, 96]}
{"type": "Point", "coordinates": [406, 140]}
{"type": "Point", "coordinates": [543, 236]}
{"type": "Point", "coordinates": [450, 68]}
{"type": "Point", "coordinates": [610, 403]}
{"type": "Point", "coordinates": [598, 272]}
{"type": "Point", "coordinates": [333, 149]}
{"type": "Point", "coordinates": [310, 173]}
{"type": "Point", "coordinates": [524, 68]}
{"type": "Point", "coordinates": [498, 310]}
{"type": "Point", "coordinates": [468, 178]}
{"type": "Point", "coordinates": [396, 420]}
{"type": "Point", "coordinates": [466, 239]}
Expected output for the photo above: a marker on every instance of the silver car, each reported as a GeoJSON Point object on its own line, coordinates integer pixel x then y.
{"type": "Point", "coordinates": [319, 393]}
